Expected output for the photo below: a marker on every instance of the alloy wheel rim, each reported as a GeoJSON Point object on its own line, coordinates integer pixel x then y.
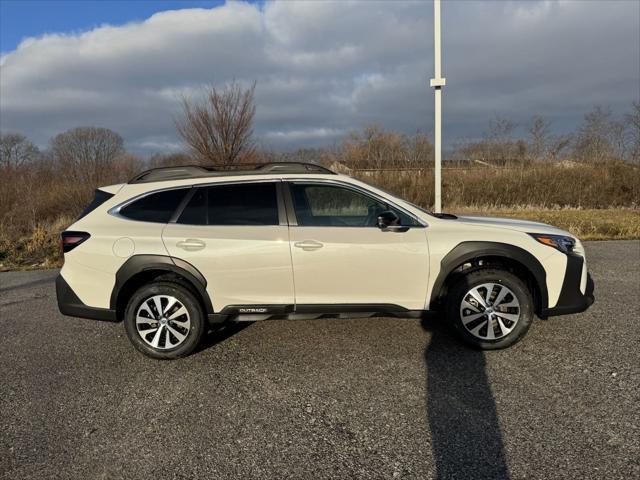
{"type": "Point", "coordinates": [490, 311]}
{"type": "Point", "coordinates": [163, 322]}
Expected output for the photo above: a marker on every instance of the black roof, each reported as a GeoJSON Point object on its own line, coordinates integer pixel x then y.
{"type": "Point", "coordinates": [199, 171]}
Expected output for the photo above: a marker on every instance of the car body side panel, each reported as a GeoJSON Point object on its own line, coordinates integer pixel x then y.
{"type": "Point", "coordinates": [555, 265]}
{"type": "Point", "coordinates": [93, 287]}
{"type": "Point", "coordinates": [583, 278]}
{"type": "Point", "coordinates": [243, 265]}
{"type": "Point", "coordinates": [361, 266]}
{"type": "Point", "coordinates": [448, 235]}
{"type": "Point", "coordinates": [90, 269]}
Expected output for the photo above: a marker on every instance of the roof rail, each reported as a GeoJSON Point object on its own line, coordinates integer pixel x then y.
{"type": "Point", "coordinates": [198, 171]}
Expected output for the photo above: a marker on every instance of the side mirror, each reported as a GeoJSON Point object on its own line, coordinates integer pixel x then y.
{"type": "Point", "coordinates": [389, 221]}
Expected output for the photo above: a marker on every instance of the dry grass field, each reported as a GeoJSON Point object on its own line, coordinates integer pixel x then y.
{"type": "Point", "coordinates": [592, 201]}
{"type": "Point", "coordinates": [534, 185]}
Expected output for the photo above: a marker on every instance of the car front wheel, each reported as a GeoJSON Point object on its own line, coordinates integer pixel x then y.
{"type": "Point", "coordinates": [490, 308]}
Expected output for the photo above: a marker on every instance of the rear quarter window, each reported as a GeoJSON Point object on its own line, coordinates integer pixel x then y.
{"type": "Point", "coordinates": [155, 207]}
{"type": "Point", "coordinates": [99, 198]}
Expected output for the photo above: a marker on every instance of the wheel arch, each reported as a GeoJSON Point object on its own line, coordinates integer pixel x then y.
{"type": "Point", "coordinates": [141, 269]}
{"type": "Point", "coordinates": [474, 255]}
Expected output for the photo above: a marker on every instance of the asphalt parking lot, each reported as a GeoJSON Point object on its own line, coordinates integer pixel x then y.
{"type": "Point", "coordinates": [360, 398]}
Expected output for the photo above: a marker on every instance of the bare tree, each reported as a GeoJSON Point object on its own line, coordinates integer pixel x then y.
{"type": "Point", "coordinates": [632, 121]}
{"type": "Point", "coordinates": [501, 129]}
{"type": "Point", "coordinates": [375, 148]}
{"type": "Point", "coordinates": [540, 137]}
{"type": "Point", "coordinates": [599, 137]}
{"type": "Point", "coordinates": [219, 130]}
{"type": "Point", "coordinates": [559, 144]}
{"type": "Point", "coordinates": [87, 153]}
{"type": "Point", "coordinates": [498, 141]}
{"type": "Point", "coordinates": [16, 150]}
{"type": "Point", "coordinates": [419, 150]}
{"type": "Point", "coordinates": [169, 159]}
{"type": "Point", "coordinates": [123, 167]}
{"type": "Point", "coordinates": [619, 139]}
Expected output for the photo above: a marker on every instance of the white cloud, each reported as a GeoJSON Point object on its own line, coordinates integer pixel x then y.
{"type": "Point", "coordinates": [323, 68]}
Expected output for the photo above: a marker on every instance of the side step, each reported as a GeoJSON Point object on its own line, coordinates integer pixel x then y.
{"type": "Point", "coordinates": [254, 313]}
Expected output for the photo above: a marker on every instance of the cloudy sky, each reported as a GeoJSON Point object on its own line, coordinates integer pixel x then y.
{"type": "Point", "coordinates": [322, 68]}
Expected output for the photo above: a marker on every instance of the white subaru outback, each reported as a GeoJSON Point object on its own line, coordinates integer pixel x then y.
{"type": "Point", "coordinates": [176, 249]}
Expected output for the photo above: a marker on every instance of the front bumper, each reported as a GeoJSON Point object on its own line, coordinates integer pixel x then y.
{"type": "Point", "coordinates": [69, 304]}
{"type": "Point", "coordinates": [571, 299]}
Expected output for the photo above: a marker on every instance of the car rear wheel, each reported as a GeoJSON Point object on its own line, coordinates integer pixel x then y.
{"type": "Point", "coordinates": [490, 308]}
{"type": "Point", "coordinates": [164, 320]}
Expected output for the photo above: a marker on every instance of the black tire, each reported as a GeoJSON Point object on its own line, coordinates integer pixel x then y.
{"type": "Point", "coordinates": [475, 279]}
{"type": "Point", "coordinates": [186, 297]}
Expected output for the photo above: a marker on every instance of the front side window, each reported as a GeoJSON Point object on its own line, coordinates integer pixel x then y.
{"type": "Point", "coordinates": [335, 206]}
{"type": "Point", "coordinates": [155, 207]}
{"type": "Point", "coordinates": [232, 204]}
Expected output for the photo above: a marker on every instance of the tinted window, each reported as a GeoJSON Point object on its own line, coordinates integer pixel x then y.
{"type": "Point", "coordinates": [98, 199]}
{"type": "Point", "coordinates": [238, 204]}
{"type": "Point", "coordinates": [156, 207]}
{"type": "Point", "coordinates": [335, 206]}
{"type": "Point", "coordinates": [195, 212]}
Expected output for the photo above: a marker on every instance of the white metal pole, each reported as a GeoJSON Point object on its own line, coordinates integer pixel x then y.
{"type": "Point", "coordinates": [437, 83]}
{"type": "Point", "coordinates": [438, 151]}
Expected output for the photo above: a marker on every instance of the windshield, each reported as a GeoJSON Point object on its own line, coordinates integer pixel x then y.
{"type": "Point", "coordinates": [428, 212]}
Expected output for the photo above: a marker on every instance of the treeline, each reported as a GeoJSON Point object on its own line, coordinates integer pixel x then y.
{"type": "Point", "coordinates": [41, 191]}
{"type": "Point", "coordinates": [38, 187]}
{"type": "Point", "coordinates": [601, 137]}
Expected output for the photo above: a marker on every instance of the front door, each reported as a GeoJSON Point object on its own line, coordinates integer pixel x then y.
{"type": "Point", "coordinates": [238, 238]}
{"type": "Point", "coordinates": [340, 256]}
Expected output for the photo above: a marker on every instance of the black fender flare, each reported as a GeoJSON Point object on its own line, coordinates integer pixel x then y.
{"type": "Point", "coordinates": [140, 263]}
{"type": "Point", "coordinates": [467, 251]}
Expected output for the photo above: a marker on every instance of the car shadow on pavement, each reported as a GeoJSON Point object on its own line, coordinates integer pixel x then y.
{"type": "Point", "coordinates": [220, 333]}
{"type": "Point", "coordinates": [466, 440]}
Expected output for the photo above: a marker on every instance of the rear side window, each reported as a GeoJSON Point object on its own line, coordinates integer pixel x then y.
{"type": "Point", "coordinates": [156, 207]}
{"type": "Point", "coordinates": [237, 204]}
{"type": "Point", "coordinates": [195, 212]}
{"type": "Point", "coordinates": [99, 197]}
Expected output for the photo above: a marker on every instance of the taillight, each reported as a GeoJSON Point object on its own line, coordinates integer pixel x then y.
{"type": "Point", "coordinates": [71, 240]}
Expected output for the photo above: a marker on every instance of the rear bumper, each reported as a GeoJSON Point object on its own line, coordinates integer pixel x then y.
{"type": "Point", "coordinates": [571, 299]}
{"type": "Point", "coordinates": [69, 304]}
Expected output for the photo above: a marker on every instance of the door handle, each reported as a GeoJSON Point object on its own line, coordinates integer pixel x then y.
{"type": "Point", "coordinates": [191, 244]}
{"type": "Point", "coordinates": [308, 245]}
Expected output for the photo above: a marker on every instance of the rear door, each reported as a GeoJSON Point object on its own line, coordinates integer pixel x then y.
{"type": "Point", "coordinates": [341, 257]}
{"type": "Point", "coordinates": [236, 235]}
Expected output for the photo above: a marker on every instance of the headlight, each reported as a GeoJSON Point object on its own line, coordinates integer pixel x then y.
{"type": "Point", "coordinates": [559, 242]}
{"type": "Point", "coordinates": [578, 248]}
